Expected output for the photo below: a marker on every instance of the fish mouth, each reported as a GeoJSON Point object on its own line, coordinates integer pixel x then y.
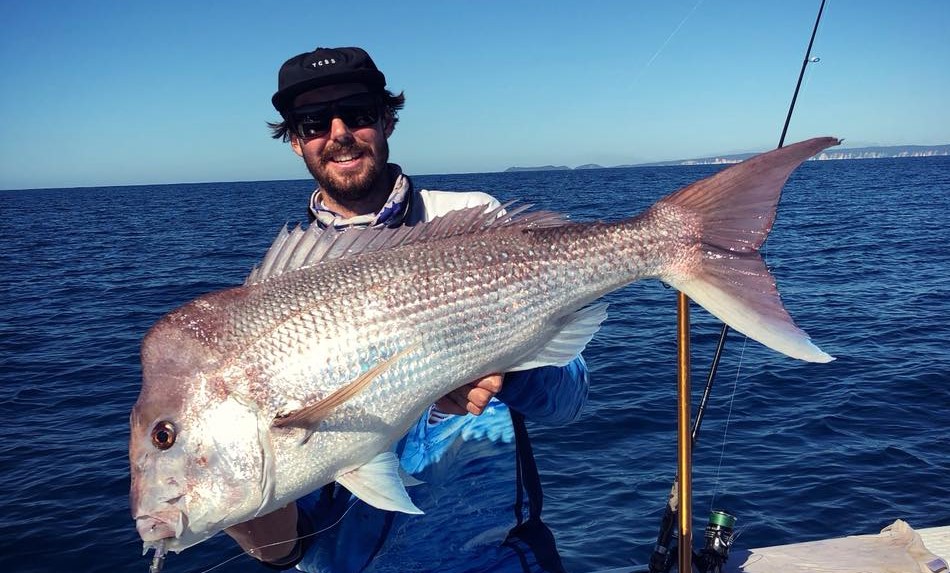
{"type": "Point", "coordinates": [154, 528]}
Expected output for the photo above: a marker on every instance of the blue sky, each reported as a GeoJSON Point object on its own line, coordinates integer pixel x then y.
{"type": "Point", "coordinates": [114, 92]}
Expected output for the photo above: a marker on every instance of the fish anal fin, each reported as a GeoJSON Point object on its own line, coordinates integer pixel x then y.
{"type": "Point", "coordinates": [576, 331]}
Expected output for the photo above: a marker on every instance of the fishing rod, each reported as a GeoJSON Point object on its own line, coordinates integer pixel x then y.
{"type": "Point", "coordinates": [678, 511]}
{"type": "Point", "coordinates": [808, 59]}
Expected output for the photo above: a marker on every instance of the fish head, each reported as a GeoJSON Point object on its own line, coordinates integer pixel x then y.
{"type": "Point", "coordinates": [199, 454]}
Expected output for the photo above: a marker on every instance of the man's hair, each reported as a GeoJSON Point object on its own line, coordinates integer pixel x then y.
{"type": "Point", "coordinates": [393, 103]}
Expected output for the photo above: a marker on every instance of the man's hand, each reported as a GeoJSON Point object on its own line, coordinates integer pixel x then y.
{"type": "Point", "coordinates": [472, 397]}
{"type": "Point", "coordinates": [269, 537]}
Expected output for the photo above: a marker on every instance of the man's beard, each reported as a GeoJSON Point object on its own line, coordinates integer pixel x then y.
{"type": "Point", "coordinates": [350, 187]}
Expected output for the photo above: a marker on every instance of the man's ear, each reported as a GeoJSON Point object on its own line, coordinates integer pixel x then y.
{"type": "Point", "coordinates": [388, 124]}
{"type": "Point", "coordinates": [295, 145]}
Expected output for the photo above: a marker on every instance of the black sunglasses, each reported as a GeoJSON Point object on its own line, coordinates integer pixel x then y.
{"type": "Point", "coordinates": [360, 110]}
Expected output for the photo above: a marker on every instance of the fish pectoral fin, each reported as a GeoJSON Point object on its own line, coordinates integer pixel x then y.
{"type": "Point", "coordinates": [379, 483]}
{"type": "Point", "coordinates": [309, 417]}
{"type": "Point", "coordinates": [575, 332]}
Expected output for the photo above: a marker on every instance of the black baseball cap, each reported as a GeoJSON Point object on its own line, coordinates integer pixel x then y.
{"type": "Point", "coordinates": [324, 67]}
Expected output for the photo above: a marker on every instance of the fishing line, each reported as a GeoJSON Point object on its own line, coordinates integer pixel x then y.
{"type": "Point", "coordinates": [725, 430]}
{"type": "Point", "coordinates": [667, 41]}
{"type": "Point", "coordinates": [765, 247]}
{"type": "Point", "coordinates": [327, 528]}
{"type": "Point", "coordinates": [809, 73]}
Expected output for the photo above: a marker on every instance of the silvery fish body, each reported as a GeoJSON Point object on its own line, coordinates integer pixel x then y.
{"type": "Point", "coordinates": [257, 395]}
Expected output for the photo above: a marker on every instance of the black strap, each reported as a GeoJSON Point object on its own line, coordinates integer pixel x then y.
{"type": "Point", "coordinates": [531, 537]}
{"type": "Point", "coordinates": [527, 472]}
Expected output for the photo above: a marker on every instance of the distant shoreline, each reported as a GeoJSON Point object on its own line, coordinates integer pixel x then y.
{"type": "Point", "coordinates": [888, 152]}
{"type": "Point", "coordinates": [858, 153]}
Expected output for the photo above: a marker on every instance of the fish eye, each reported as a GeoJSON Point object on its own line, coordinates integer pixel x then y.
{"type": "Point", "coordinates": [163, 435]}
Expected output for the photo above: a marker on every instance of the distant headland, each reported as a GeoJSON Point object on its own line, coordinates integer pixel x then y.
{"type": "Point", "coordinates": [827, 155]}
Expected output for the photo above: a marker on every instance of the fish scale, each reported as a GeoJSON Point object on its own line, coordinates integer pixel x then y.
{"type": "Point", "coordinates": [533, 284]}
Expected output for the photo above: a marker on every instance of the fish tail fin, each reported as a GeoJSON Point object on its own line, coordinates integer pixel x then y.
{"type": "Point", "coordinates": [733, 212]}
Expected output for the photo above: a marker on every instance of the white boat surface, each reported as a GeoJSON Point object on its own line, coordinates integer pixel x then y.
{"type": "Point", "coordinates": [898, 548]}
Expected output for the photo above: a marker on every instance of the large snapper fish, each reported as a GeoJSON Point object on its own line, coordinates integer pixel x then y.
{"type": "Point", "coordinates": [337, 343]}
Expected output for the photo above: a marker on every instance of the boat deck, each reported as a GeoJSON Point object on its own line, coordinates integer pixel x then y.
{"type": "Point", "coordinates": [937, 540]}
{"type": "Point", "coordinates": [897, 549]}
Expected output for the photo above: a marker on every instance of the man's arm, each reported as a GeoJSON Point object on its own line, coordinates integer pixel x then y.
{"type": "Point", "coordinates": [271, 538]}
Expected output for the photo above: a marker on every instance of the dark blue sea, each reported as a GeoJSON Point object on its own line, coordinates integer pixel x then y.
{"type": "Point", "coordinates": [861, 251]}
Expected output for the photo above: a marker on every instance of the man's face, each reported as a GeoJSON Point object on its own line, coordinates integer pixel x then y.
{"type": "Point", "coordinates": [346, 152]}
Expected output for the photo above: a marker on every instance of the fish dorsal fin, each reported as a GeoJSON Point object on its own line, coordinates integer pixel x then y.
{"type": "Point", "coordinates": [575, 332]}
{"type": "Point", "coordinates": [301, 247]}
{"type": "Point", "coordinates": [309, 417]}
{"type": "Point", "coordinates": [380, 484]}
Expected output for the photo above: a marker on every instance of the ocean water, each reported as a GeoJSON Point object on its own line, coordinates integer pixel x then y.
{"type": "Point", "coordinates": [861, 252]}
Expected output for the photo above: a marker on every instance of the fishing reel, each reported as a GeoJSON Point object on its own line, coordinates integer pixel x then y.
{"type": "Point", "coordinates": [718, 536]}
